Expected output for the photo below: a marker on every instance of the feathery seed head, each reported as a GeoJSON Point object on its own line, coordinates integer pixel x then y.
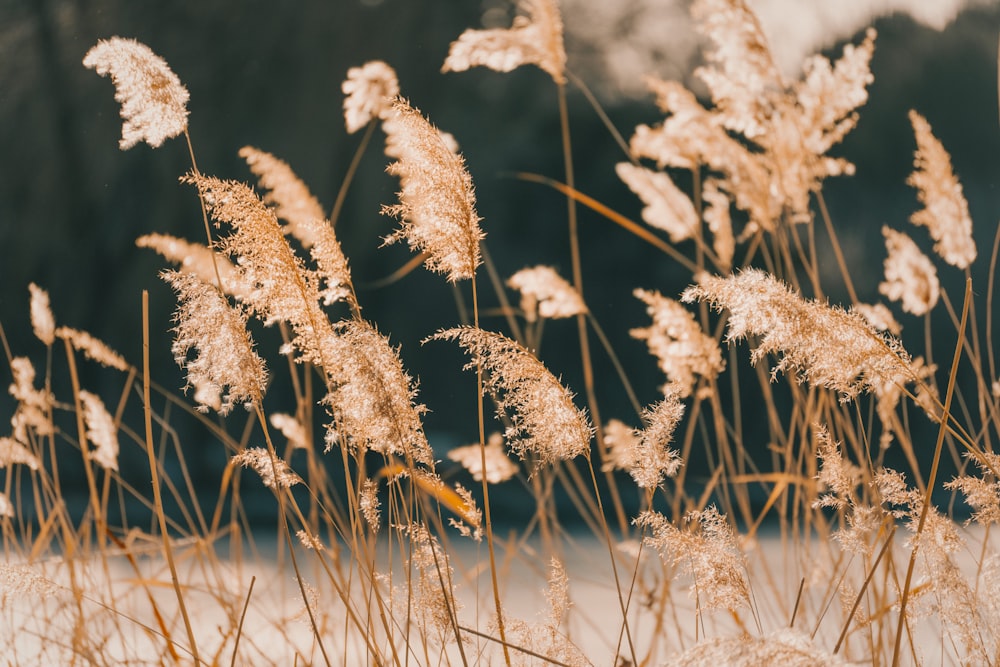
{"type": "Point", "coordinates": [821, 344]}
{"type": "Point", "coordinates": [273, 471]}
{"type": "Point", "coordinates": [879, 316]}
{"type": "Point", "coordinates": [652, 458]}
{"type": "Point", "coordinates": [370, 90]}
{"type": "Point", "coordinates": [544, 292]}
{"type": "Point", "coordinates": [667, 207]}
{"type": "Point", "coordinates": [13, 452]}
{"type": "Point", "coordinates": [437, 206]}
{"type": "Point", "coordinates": [683, 350]}
{"type": "Point", "coordinates": [708, 552]}
{"type": "Point", "coordinates": [290, 197]}
{"type": "Point", "coordinates": [294, 203]}
{"type": "Point", "coordinates": [101, 431]}
{"type": "Point", "coordinates": [197, 259]}
{"type": "Point", "coordinates": [33, 405]}
{"type": "Point", "coordinates": [42, 321]}
{"type": "Point", "coordinates": [371, 398]}
{"type": "Point", "coordinates": [92, 348]}
{"type": "Point", "coordinates": [153, 100]}
{"type": "Point", "coordinates": [291, 428]}
{"type": "Point", "coordinates": [535, 38]}
{"type": "Point", "coordinates": [224, 356]}
{"type": "Point", "coordinates": [544, 421]}
{"type": "Point", "coordinates": [279, 287]}
{"type": "Point", "coordinates": [910, 277]}
{"type": "Point", "coordinates": [499, 467]}
{"type": "Point", "coordinates": [945, 212]}
{"type": "Point", "coordinates": [369, 504]}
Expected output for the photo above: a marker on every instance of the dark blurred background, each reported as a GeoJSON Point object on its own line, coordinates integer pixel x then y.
{"type": "Point", "coordinates": [268, 74]}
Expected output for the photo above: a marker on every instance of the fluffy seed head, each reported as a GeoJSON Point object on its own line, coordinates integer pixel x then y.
{"type": "Point", "coordinates": [667, 207]}
{"type": "Point", "coordinates": [499, 467]}
{"type": "Point", "coordinates": [370, 90]}
{"type": "Point", "coordinates": [42, 321]}
{"type": "Point", "coordinates": [154, 102]}
{"type": "Point", "coordinates": [684, 352]}
{"type": "Point", "coordinates": [544, 292]}
{"type": "Point", "coordinates": [945, 212]}
{"type": "Point", "coordinates": [101, 431]}
{"type": "Point", "coordinates": [437, 206]}
{"type": "Point", "coordinates": [371, 397]}
{"type": "Point", "coordinates": [821, 344]}
{"type": "Point", "coordinates": [535, 38]}
{"type": "Point", "coordinates": [92, 348]}
{"type": "Point", "coordinates": [544, 421]}
{"type": "Point", "coordinates": [910, 277]}
{"type": "Point", "coordinates": [273, 471]}
{"type": "Point", "coordinates": [224, 359]}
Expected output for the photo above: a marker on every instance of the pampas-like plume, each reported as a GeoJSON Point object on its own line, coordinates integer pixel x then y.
{"type": "Point", "coordinates": [290, 197]}
{"type": "Point", "coordinates": [945, 212]}
{"type": "Point", "coordinates": [710, 554]}
{"type": "Point", "coordinates": [819, 343]}
{"type": "Point", "coordinates": [224, 356]}
{"type": "Point", "coordinates": [790, 127]}
{"type": "Point", "coordinates": [371, 397]}
{"type": "Point", "coordinates": [645, 454]}
{"type": "Point", "coordinates": [499, 467]}
{"type": "Point", "coordinates": [982, 494]}
{"type": "Point", "coordinates": [101, 431]}
{"type": "Point", "coordinates": [154, 102]}
{"type": "Point", "coordinates": [13, 452]}
{"type": "Point", "coordinates": [544, 421]}
{"type": "Point", "coordinates": [544, 292]}
{"type": "Point", "coordinates": [741, 73]}
{"type": "Point", "coordinates": [42, 321]}
{"type": "Point", "coordinates": [653, 459]}
{"type": "Point", "coordinates": [291, 428]}
{"type": "Point", "coordinates": [280, 288]}
{"type": "Point", "coordinates": [196, 259]}
{"type": "Point", "coordinates": [294, 203]}
{"type": "Point", "coordinates": [437, 206]}
{"type": "Point", "coordinates": [684, 352]}
{"type": "Point", "coordinates": [667, 207]}
{"type": "Point", "coordinates": [535, 38]}
{"type": "Point", "coordinates": [910, 276]}
{"type": "Point", "coordinates": [274, 472]}
{"type": "Point", "coordinates": [370, 90]}
{"type": "Point", "coordinates": [92, 348]}
{"type": "Point", "coordinates": [33, 405]}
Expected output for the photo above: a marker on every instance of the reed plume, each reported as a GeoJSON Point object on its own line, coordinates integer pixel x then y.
{"type": "Point", "coordinates": [910, 276]}
{"type": "Point", "coordinates": [535, 38]}
{"type": "Point", "coordinates": [296, 205]}
{"type": "Point", "coordinates": [43, 323]}
{"type": "Point", "coordinates": [101, 431]}
{"type": "Point", "coordinates": [683, 351]}
{"type": "Point", "coordinates": [544, 293]}
{"type": "Point", "coordinates": [225, 369]}
{"type": "Point", "coordinates": [197, 259]}
{"type": "Point", "coordinates": [821, 344]}
{"type": "Point", "coordinates": [437, 206]}
{"type": "Point", "coordinates": [153, 100]}
{"type": "Point", "coordinates": [499, 467]}
{"type": "Point", "coordinates": [946, 212]}
{"type": "Point", "coordinates": [370, 91]}
{"type": "Point", "coordinates": [545, 423]}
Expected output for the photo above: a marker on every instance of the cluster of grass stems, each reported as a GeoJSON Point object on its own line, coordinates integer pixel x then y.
{"type": "Point", "coordinates": [367, 567]}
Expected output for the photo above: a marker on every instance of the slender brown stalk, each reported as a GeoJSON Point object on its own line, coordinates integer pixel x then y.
{"type": "Point", "coordinates": [154, 471]}
{"type": "Point", "coordinates": [938, 447]}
